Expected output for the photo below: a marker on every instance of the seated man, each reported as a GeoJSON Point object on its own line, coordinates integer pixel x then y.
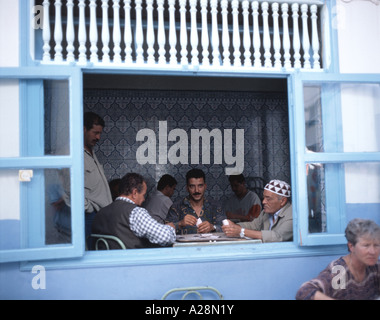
{"type": "Point", "coordinates": [244, 205]}
{"type": "Point", "coordinates": [114, 187]}
{"type": "Point", "coordinates": [132, 224]}
{"type": "Point", "coordinates": [275, 223]}
{"type": "Point", "coordinates": [196, 213]}
{"type": "Point", "coordinates": [159, 203]}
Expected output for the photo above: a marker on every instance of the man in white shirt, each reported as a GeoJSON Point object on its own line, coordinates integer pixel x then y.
{"type": "Point", "coordinates": [244, 204]}
{"type": "Point", "coordinates": [159, 202]}
{"type": "Point", "coordinates": [96, 189]}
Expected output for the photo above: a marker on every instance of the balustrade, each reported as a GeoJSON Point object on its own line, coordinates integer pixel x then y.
{"type": "Point", "coordinates": [182, 34]}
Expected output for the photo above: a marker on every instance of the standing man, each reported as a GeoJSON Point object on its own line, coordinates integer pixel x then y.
{"type": "Point", "coordinates": [159, 202]}
{"type": "Point", "coordinates": [275, 223]}
{"type": "Point", "coordinates": [196, 213]}
{"type": "Point", "coordinates": [96, 190]}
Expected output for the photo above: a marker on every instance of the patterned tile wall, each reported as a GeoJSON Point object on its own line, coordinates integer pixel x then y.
{"type": "Point", "coordinates": [263, 116]}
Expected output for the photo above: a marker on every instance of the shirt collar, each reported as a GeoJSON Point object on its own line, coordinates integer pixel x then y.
{"type": "Point", "coordinates": [186, 201]}
{"type": "Point", "coordinates": [125, 199]}
{"type": "Point", "coordinates": [273, 219]}
{"type": "Point", "coordinates": [92, 155]}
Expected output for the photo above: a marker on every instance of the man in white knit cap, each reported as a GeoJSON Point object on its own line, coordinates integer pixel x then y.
{"type": "Point", "coordinates": [275, 222]}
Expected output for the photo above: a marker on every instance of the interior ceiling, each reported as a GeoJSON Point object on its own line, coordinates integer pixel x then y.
{"type": "Point", "coordinates": [107, 81]}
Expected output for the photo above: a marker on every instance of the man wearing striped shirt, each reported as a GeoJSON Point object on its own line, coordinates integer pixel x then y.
{"type": "Point", "coordinates": [132, 224]}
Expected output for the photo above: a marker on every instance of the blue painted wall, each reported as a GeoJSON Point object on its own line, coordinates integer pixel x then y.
{"type": "Point", "coordinates": [256, 279]}
{"type": "Point", "coordinates": [369, 211]}
{"type": "Point", "coordinates": [277, 278]}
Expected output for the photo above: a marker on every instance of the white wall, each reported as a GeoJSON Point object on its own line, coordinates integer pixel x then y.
{"type": "Point", "coordinates": [358, 26]}
{"type": "Point", "coordinates": [9, 30]}
{"type": "Point", "coordinates": [9, 109]}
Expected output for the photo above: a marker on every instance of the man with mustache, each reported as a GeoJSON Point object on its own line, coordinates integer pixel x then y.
{"type": "Point", "coordinates": [275, 222]}
{"type": "Point", "coordinates": [196, 213]}
{"type": "Point", "coordinates": [96, 189]}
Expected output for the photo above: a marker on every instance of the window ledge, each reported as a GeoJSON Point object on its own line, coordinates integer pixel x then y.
{"type": "Point", "coordinates": [181, 255]}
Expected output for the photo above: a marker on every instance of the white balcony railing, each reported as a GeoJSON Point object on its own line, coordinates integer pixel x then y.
{"type": "Point", "coordinates": [182, 34]}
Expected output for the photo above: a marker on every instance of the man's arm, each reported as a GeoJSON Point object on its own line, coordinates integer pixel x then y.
{"type": "Point", "coordinates": [234, 230]}
{"type": "Point", "coordinates": [220, 215]}
{"type": "Point", "coordinates": [236, 216]}
{"type": "Point", "coordinates": [253, 213]}
{"type": "Point", "coordinates": [321, 296]}
{"type": "Point", "coordinates": [179, 220]}
{"type": "Point", "coordinates": [144, 226]}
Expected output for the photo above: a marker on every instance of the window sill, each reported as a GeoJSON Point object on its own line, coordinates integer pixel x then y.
{"type": "Point", "coordinates": [182, 255]}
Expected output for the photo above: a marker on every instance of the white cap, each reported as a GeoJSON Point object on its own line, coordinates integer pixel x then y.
{"type": "Point", "coordinates": [279, 187]}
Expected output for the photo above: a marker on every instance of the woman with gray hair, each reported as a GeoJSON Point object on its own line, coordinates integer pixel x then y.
{"type": "Point", "coordinates": [355, 276]}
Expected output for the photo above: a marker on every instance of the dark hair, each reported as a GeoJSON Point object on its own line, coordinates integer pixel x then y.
{"type": "Point", "coordinates": [131, 181]}
{"type": "Point", "coordinates": [115, 188]}
{"type": "Point", "coordinates": [238, 178]}
{"type": "Point", "coordinates": [166, 180]}
{"type": "Point", "coordinates": [90, 119]}
{"type": "Point", "coordinates": [195, 173]}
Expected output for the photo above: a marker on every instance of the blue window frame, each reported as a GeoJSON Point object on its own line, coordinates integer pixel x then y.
{"type": "Point", "coordinates": [333, 161]}
{"type": "Point", "coordinates": [336, 121]}
{"type": "Point", "coordinates": [32, 162]}
{"type": "Point", "coordinates": [332, 157]}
